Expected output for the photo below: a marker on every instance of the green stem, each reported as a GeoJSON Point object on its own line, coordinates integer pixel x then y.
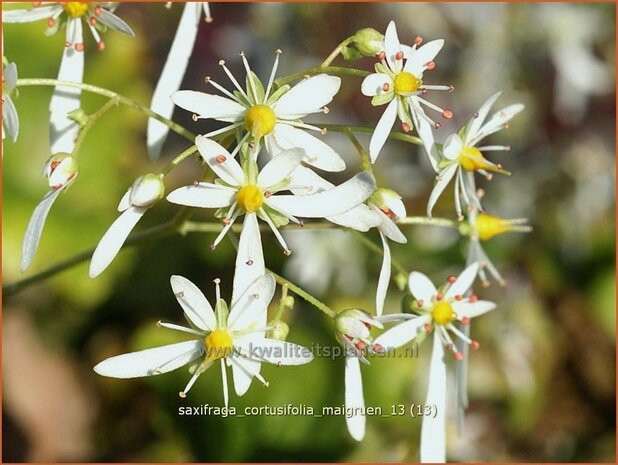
{"type": "Point", "coordinates": [112, 95]}
{"type": "Point", "coordinates": [90, 121]}
{"type": "Point", "coordinates": [329, 59]}
{"type": "Point", "coordinates": [305, 295]}
{"type": "Point", "coordinates": [333, 70]}
{"type": "Point", "coordinates": [423, 220]}
{"type": "Point", "coordinates": [180, 158]}
{"type": "Point", "coordinates": [393, 135]}
{"type": "Point", "coordinates": [377, 249]}
{"type": "Point", "coordinates": [364, 156]}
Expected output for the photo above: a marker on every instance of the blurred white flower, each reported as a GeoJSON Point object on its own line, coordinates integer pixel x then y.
{"type": "Point", "coordinates": [10, 118]}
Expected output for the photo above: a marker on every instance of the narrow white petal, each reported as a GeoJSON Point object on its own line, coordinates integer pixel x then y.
{"type": "Point", "coordinates": [209, 105]}
{"type": "Point", "coordinates": [452, 147]}
{"type": "Point", "coordinates": [401, 334]}
{"type": "Point", "coordinates": [171, 77]}
{"type": "Point", "coordinates": [150, 362]}
{"type": "Point", "coordinates": [226, 396]}
{"type": "Point", "coordinates": [318, 153]}
{"type": "Point", "coordinates": [249, 260]}
{"type": "Point", "coordinates": [389, 228]}
{"type": "Point", "coordinates": [385, 276]}
{"type": "Point", "coordinates": [280, 167]}
{"type": "Point", "coordinates": [421, 56]}
{"type": "Point", "coordinates": [125, 201]}
{"type": "Point", "coordinates": [361, 218]}
{"type": "Point", "coordinates": [445, 177]}
{"type": "Point", "coordinates": [338, 200]}
{"type": "Point", "coordinates": [425, 132]}
{"type": "Point", "coordinates": [196, 307]}
{"type": "Point", "coordinates": [113, 239]}
{"type": "Point", "coordinates": [421, 287]}
{"type": "Point", "coordinates": [10, 118]}
{"type": "Point", "coordinates": [383, 129]}
{"type": "Point", "coordinates": [114, 22]}
{"type": "Point", "coordinates": [35, 228]}
{"type": "Point", "coordinates": [463, 282]}
{"type": "Point", "coordinates": [204, 195]}
{"type": "Point", "coordinates": [471, 310]}
{"type": "Point", "coordinates": [433, 429]}
{"type": "Point", "coordinates": [243, 371]}
{"type": "Point", "coordinates": [373, 84]}
{"type": "Point", "coordinates": [308, 96]}
{"type": "Point", "coordinates": [476, 122]}
{"type": "Point", "coordinates": [28, 16]}
{"type": "Point", "coordinates": [249, 312]}
{"type": "Point", "coordinates": [354, 398]}
{"type": "Point", "coordinates": [276, 352]}
{"type": "Point", "coordinates": [392, 46]}
{"type": "Point", "coordinates": [10, 75]}
{"type": "Point", "coordinates": [220, 160]}
{"type": "Point", "coordinates": [497, 121]}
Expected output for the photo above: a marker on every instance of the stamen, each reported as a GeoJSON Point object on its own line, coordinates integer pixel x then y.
{"type": "Point", "coordinates": [381, 56]}
{"type": "Point", "coordinates": [430, 65]}
{"type": "Point", "coordinates": [427, 327]}
{"type": "Point", "coordinates": [220, 159]}
{"type": "Point", "coordinates": [97, 10]}
{"type": "Point", "coordinates": [225, 229]}
{"type": "Point", "coordinates": [399, 56]}
{"type": "Point", "coordinates": [233, 79]}
{"type": "Point", "coordinates": [406, 127]}
{"type": "Point", "coordinates": [272, 74]}
{"type": "Point", "coordinates": [183, 329]}
{"type": "Point", "coordinates": [377, 348]}
{"type": "Point", "coordinates": [458, 356]}
{"type": "Point", "coordinates": [465, 320]}
{"type": "Point", "coordinates": [418, 40]}
{"type": "Point", "coordinates": [447, 114]}
{"type": "Point", "coordinates": [451, 278]}
{"type": "Point", "coordinates": [276, 232]}
{"type": "Point", "coordinates": [249, 76]}
{"type": "Point", "coordinates": [220, 88]}
{"type": "Point", "coordinates": [475, 345]}
{"type": "Point", "coordinates": [223, 129]}
{"type": "Point", "coordinates": [472, 298]}
{"type": "Point", "coordinates": [386, 86]}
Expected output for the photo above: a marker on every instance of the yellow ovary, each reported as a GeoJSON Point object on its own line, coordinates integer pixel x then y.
{"type": "Point", "coordinates": [260, 120]}
{"type": "Point", "coordinates": [218, 344]}
{"type": "Point", "coordinates": [250, 198]}
{"type": "Point", "coordinates": [406, 83]}
{"type": "Point", "coordinates": [489, 226]}
{"type": "Point", "coordinates": [471, 159]}
{"type": "Point", "coordinates": [442, 313]}
{"type": "Point", "coordinates": [76, 9]}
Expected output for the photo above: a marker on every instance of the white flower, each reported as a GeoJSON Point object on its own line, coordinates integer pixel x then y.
{"type": "Point", "coordinates": [236, 338]}
{"type": "Point", "coordinates": [63, 130]}
{"type": "Point", "coordinates": [438, 310]}
{"type": "Point", "coordinates": [256, 194]}
{"type": "Point", "coordinates": [60, 170]}
{"type": "Point", "coordinates": [173, 72]}
{"type": "Point", "coordinates": [460, 155]}
{"type": "Point", "coordinates": [274, 117]}
{"type": "Point", "coordinates": [398, 81]}
{"type": "Point", "coordinates": [10, 119]}
{"type": "Point", "coordinates": [143, 194]}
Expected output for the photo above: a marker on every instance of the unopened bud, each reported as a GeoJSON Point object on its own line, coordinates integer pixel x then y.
{"type": "Point", "coordinates": [368, 42]}
{"type": "Point", "coordinates": [147, 190]}
{"type": "Point", "coordinates": [355, 324]}
{"type": "Point", "coordinates": [60, 170]}
{"type": "Point", "coordinates": [388, 200]}
{"type": "Point", "coordinates": [279, 331]}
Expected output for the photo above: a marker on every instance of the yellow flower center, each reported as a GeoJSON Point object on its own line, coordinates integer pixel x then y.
{"type": "Point", "coordinates": [250, 198]}
{"type": "Point", "coordinates": [471, 159]}
{"type": "Point", "coordinates": [219, 344]}
{"type": "Point", "coordinates": [442, 313]}
{"type": "Point", "coordinates": [406, 83]}
{"type": "Point", "coordinates": [260, 120]}
{"type": "Point", "coordinates": [489, 226]}
{"type": "Point", "coordinates": [76, 9]}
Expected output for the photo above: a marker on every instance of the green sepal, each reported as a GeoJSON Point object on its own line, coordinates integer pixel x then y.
{"type": "Point", "coordinates": [222, 212]}
{"type": "Point", "coordinates": [259, 87]}
{"type": "Point", "coordinates": [404, 114]}
{"type": "Point", "coordinates": [222, 313]}
{"type": "Point", "coordinates": [401, 281]}
{"type": "Point", "coordinates": [275, 217]}
{"type": "Point", "coordinates": [242, 99]}
{"type": "Point", "coordinates": [79, 116]}
{"type": "Point", "coordinates": [351, 54]}
{"type": "Point", "coordinates": [382, 69]}
{"type": "Point", "coordinates": [276, 95]}
{"type": "Point", "coordinates": [382, 99]}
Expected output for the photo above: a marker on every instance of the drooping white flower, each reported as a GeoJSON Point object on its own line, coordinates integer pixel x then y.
{"type": "Point", "coordinates": [269, 114]}
{"type": "Point", "coordinates": [461, 156]}
{"type": "Point", "coordinates": [173, 72]}
{"type": "Point", "coordinates": [234, 338]}
{"type": "Point", "coordinates": [143, 194]}
{"type": "Point", "coordinates": [63, 129]}
{"type": "Point", "coordinates": [257, 194]}
{"type": "Point", "coordinates": [10, 119]}
{"type": "Point", "coordinates": [438, 310]}
{"type": "Point", "coordinates": [60, 170]}
{"type": "Point", "coordinates": [398, 81]}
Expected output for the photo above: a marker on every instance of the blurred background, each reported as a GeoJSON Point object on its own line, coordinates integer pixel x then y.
{"type": "Point", "coordinates": [542, 387]}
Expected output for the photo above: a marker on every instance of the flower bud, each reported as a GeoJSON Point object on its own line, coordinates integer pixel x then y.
{"type": "Point", "coordinates": [355, 325]}
{"type": "Point", "coordinates": [368, 42]}
{"type": "Point", "coordinates": [60, 170]}
{"type": "Point", "coordinates": [279, 331]}
{"type": "Point", "coordinates": [147, 190]}
{"type": "Point", "coordinates": [389, 202]}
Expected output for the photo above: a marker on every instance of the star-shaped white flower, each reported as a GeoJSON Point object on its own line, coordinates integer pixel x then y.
{"type": "Point", "coordinates": [10, 119]}
{"type": "Point", "coordinates": [398, 81]}
{"type": "Point", "coordinates": [274, 117]}
{"type": "Point", "coordinates": [461, 157]}
{"type": "Point", "coordinates": [173, 72]}
{"type": "Point", "coordinates": [63, 130]}
{"type": "Point", "coordinates": [257, 194]}
{"type": "Point", "coordinates": [438, 309]}
{"type": "Point", "coordinates": [234, 338]}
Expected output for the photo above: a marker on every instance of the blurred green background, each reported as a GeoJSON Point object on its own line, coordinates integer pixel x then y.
{"type": "Point", "coordinates": [542, 386]}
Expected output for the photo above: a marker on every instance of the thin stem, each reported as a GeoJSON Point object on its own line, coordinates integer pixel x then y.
{"type": "Point", "coordinates": [90, 121]}
{"type": "Point", "coordinates": [334, 70]}
{"type": "Point", "coordinates": [377, 249]}
{"type": "Point", "coordinates": [180, 158]}
{"type": "Point", "coordinates": [364, 156]}
{"type": "Point", "coordinates": [305, 295]}
{"type": "Point", "coordinates": [108, 93]}
{"type": "Point", "coordinates": [423, 220]}
{"type": "Point", "coordinates": [329, 59]}
{"type": "Point", "coordinates": [209, 227]}
{"type": "Point", "coordinates": [392, 135]}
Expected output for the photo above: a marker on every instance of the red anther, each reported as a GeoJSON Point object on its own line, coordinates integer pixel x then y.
{"type": "Point", "coordinates": [430, 65]}
{"type": "Point", "coordinates": [220, 159]}
{"type": "Point", "coordinates": [101, 46]}
{"type": "Point", "coordinates": [447, 114]}
{"type": "Point", "coordinates": [92, 20]}
{"type": "Point", "coordinates": [465, 320]}
{"type": "Point", "coordinates": [385, 87]}
{"type": "Point", "coordinates": [387, 211]}
{"type": "Point", "coordinates": [249, 262]}
{"type": "Point", "coordinates": [475, 114]}
{"type": "Point", "coordinates": [506, 125]}
{"type": "Point", "coordinates": [451, 88]}
{"type": "Point", "coordinates": [438, 125]}
{"type": "Point", "coordinates": [499, 166]}
{"type": "Point", "coordinates": [475, 345]}
{"type": "Point", "coordinates": [226, 221]}
{"type": "Point", "coordinates": [377, 348]}
{"type": "Point", "coordinates": [97, 10]}
{"type": "Point", "coordinates": [451, 278]}
{"type": "Point", "coordinates": [406, 127]}
{"type": "Point", "coordinates": [381, 56]}
{"type": "Point", "coordinates": [54, 165]}
{"type": "Point", "coordinates": [424, 91]}
{"type": "Point", "coordinates": [301, 223]}
{"type": "Point", "coordinates": [399, 56]}
{"type": "Point", "coordinates": [420, 302]}
{"type": "Point", "coordinates": [418, 40]}
{"type": "Point", "coordinates": [427, 327]}
{"type": "Point", "coordinates": [449, 346]}
{"type": "Point", "coordinates": [267, 194]}
{"type": "Point", "coordinates": [360, 345]}
{"type": "Point", "coordinates": [79, 47]}
{"type": "Point", "coordinates": [35, 4]}
{"type": "Point", "coordinates": [349, 338]}
{"type": "Point", "coordinates": [51, 22]}
{"type": "Point", "coordinates": [458, 356]}
{"type": "Point", "coordinates": [439, 296]}
{"type": "Point", "coordinates": [367, 325]}
{"type": "Point", "coordinates": [458, 297]}
{"type": "Point", "coordinates": [473, 298]}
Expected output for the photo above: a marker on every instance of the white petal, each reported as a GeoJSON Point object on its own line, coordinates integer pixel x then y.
{"type": "Point", "coordinates": [249, 259]}
{"type": "Point", "coordinates": [392, 46]}
{"type": "Point", "coordinates": [125, 201]}
{"type": "Point", "coordinates": [35, 228]}
{"type": "Point", "coordinates": [383, 129]}
{"type": "Point", "coordinates": [10, 75]}
{"type": "Point", "coordinates": [497, 121]}
{"type": "Point", "coordinates": [243, 371]}
{"type": "Point", "coordinates": [362, 218]}
{"type": "Point", "coordinates": [308, 96]}
{"type": "Point", "coordinates": [28, 16]}
{"type": "Point", "coordinates": [204, 195]}
{"type": "Point", "coordinates": [249, 312]}
{"type": "Point", "coordinates": [354, 398]}
{"type": "Point", "coordinates": [471, 310]}
{"type": "Point", "coordinates": [10, 118]}
{"type": "Point", "coordinates": [421, 287]}
{"type": "Point", "coordinates": [196, 307]}
{"type": "Point", "coordinates": [209, 105]}
{"type": "Point", "coordinates": [229, 170]}
{"type": "Point", "coordinates": [281, 165]}
{"type": "Point", "coordinates": [276, 352]}
{"type": "Point", "coordinates": [150, 362]}
{"type": "Point", "coordinates": [425, 132]}
{"type": "Point", "coordinates": [452, 147]}
{"type": "Point", "coordinates": [113, 239]}
{"type": "Point", "coordinates": [226, 396]}
{"type": "Point", "coordinates": [421, 56]}
{"type": "Point", "coordinates": [433, 429]}
{"type": "Point", "coordinates": [401, 334]}
{"type": "Point", "coordinates": [475, 123]}
{"type": "Point", "coordinates": [463, 282]}
{"type": "Point", "coordinates": [338, 200]}
{"type": "Point", "coordinates": [445, 177]}
{"type": "Point", "coordinates": [373, 84]}
{"type": "Point", "coordinates": [385, 276]}
{"type": "Point", "coordinates": [114, 22]}
{"type": "Point", "coordinates": [171, 77]}
{"type": "Point", "coordinates": [318, 153]}
{"type": "Point", "coordinates": [63, 131]}
{"type": "Point", "coordinates": [389, 228]}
